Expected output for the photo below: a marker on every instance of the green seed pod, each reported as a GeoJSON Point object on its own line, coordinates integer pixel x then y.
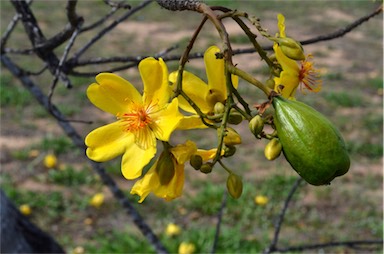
{"type": "Point", "coordinates": [219, 108]}
{"type": "Point", "coordinates": [206, 168]}
{"type": "Point", "coordinates": [256, 125]}
{"type": "Point", "coordinates": [196, 161]}
{"type": "Point", "coordinates": [229, 151]}
{"type": "Point", "coordinates": [234, 185]}
{"type": "Point", "coordinates": [311, 144]}
{"type": "Point", "coordinates": [273, 149]}
{"type": "Point", "coordinates": [165, 167]}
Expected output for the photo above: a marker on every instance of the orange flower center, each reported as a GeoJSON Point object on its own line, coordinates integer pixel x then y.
{"type": "Point", "coordinates": [137, 119]}
{"type": "Point", "coordinates": [309, 77]}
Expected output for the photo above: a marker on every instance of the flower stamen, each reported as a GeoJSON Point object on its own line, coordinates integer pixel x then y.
{"type": "Point", "coordinates": [309, 77]}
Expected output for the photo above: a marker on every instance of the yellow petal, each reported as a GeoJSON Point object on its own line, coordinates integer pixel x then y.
{"type": "Point", "coordinates": [174, 188]}
{"type": "Point", "coordinates": [289, 82]}
{"type": "Point", "coordinates": [191, 122]}
{"type": "Point", "coordinates": [166, 120]}
{"type": "Point", "coordinates": [135, 159]}
{"type": "Point", "coordinates": [107, 142]}
{"type": "Point", "coordinates": [215, 70]}
{"type": "Point", "coordinates": [147, 184]}
{"type": "Point", "coordinates": [154, 74]}
{"type": "Point", "coordinates": [281, 24]}
{"type": "Point", "coordinates": [183, 152]}
{"type": "Point", "coordinates": [112, 93]}
{"type": "Point", "coordinates": [195, 89]}
{"type": "Point", "coordinates": [207, 154]}
{"type": "Point", "coordinates": [286, 63]}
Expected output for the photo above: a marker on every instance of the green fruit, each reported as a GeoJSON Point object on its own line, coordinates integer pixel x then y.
{"type": "Point", "coordinates": [311, 144]}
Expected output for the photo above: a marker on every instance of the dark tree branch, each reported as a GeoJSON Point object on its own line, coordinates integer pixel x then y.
{"type": "Point", "coordinates": [108, 29]}
{"type": "Point", "coordinates": [71, 132]}
{"type": "Point", "coordinates": [119, 4]}
{"type": "Point", "coordinates": [279, 222]}
{"type": "Point", "coordinates": [219, 221]}
{"type": "Point", "coordinates": [100, 21]}
{"type": "Point", "coordinates": [180, 5]}
{"type": "Point", "coordinates": [350, 244]}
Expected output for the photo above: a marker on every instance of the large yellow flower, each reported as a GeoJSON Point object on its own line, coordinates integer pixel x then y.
{"type": "Point", "coordinates": [173, 187]}
{"type": "Point", "coordinates": [293, 75]}
{"type": "Point", "coordinates": [204, 95]}
{"type": "Point", "coordinates": [140, 119]}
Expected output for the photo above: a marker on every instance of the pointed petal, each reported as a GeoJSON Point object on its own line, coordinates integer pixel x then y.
{"type": "Point", "coordinates": [195, 88]}
{"type": "Point", "coordinates": [112, 93]}
{"type": "Point", "coordinates": [286, 63]}
{"type": "Point", "coordinates": [166, 120]}
{"type": "Point", "coordinates": [135, 159]}
{"type": "Point", "coordinates": [147, 184]}
{"type": "Point", "coordinates": [191, 122]}
{"type": "Point", "coordinates": [154, 74]}
{"type": "Point", "coordinates": [107, 142]}
{"type": "Point", "coordinates": [215, 70]}
{"type": "Point", "coordinates": [281, 24]}
{"type": "Point", "coordinates": [207, 154]}
{"type": "Point", "coordinates": [183, 152]}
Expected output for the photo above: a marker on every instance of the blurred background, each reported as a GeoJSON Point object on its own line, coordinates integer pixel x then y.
{"type": "Point", "coordinates": [42, 169]}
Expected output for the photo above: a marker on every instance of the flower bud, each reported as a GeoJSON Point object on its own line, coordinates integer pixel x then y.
{"type": "Point", "coordinates": [291, 48]}
{"type": "Point", "coordinates": [219, 108]}
{"type": "Point", "coordinates": [50, 161]}
{"type": "Point", "coordinates": [196, 161]}
{"type": "Point", "coordinates": [97, 200]}
{"type": "Point", "coordinates": [165, 167]}
{"type": "Point", "coordinates": [25, 209]}
{"type": "Point", "coordinates": [229, 151]}
{"type": "Point", "coordinates": [235, 117]}
{"type": "Point", "coordinates": [256, 125]}
{"type": "Point", "coordinates": [234, 185]}
{"type": "Point", "coordinates": [231, 137]}
{"type": "Point", "coordinates": [273, 149]}
{"type": "Point", "coordinates": [206, 168]}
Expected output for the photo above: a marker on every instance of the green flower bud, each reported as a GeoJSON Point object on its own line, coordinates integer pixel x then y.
{"type": "Point", "coordinates": [234, 185]}
{"type": "Point", "coordinates": [235, 117]}
{"type": "Point", "coordinates": [256, 125]}
{"type": "Point", "coordinates": [196, 161]}
{"type": "Point", "coordinates": [231, 137]}
{"type": "Point", "coordinates": [229, 151]}
{"type": "Point", "coordinates": [165, 167]}
{"type": "Point", "coordinates": [206, 168]}
{"type": "Point", "coordinates": [270, 83]}
{"type": "Point", "coordinates": [273, 149]}
{"type": "Point", "coordinates": [291, 48]}
{"type": "Point", "coordinates": [219, 108]}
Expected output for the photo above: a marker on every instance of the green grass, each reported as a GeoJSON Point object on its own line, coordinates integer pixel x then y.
{"type": "Point", "coordinates": [12, 94]}
{"type": "Point", "coordinates": [345, 99]}
{"type": "Point", "coordinates": [68, 176]}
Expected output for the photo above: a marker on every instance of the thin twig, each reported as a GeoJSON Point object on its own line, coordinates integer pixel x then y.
{"type": "Point", "coordinates": [71, 132]}
{"type": "Point", "coordinates": [279, 222]}
{"type": "Point", "coordinates": [350, 244]}
{"type": "Point", "coordinates": [219, 221]}
{"type": "Point", "coordinates": [108, 29]}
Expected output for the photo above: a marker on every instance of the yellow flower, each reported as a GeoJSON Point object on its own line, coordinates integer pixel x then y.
{"type": "Point", "coordinates": [204, 95]}
{"type": "Point", "coordinates": [140, 119]}
{"type": "Point", "coordinates": [293, 75]}
{"type": "Point", "coordinates": [97, 200]}
{"type": "Point", "coordinates": [50, 161]}
{"type": "Point", "coordinates": [261, 200]}
{"type": "Point", "coordinates": [25, 209]}
{"type": "Point", "coordinates": [186, 248]}
{"type": "Point", "coordinates": [172, 229]}
{"type": "Point", "coordinates": [171, 187]}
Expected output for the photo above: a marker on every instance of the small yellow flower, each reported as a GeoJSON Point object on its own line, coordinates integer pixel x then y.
{"type": "Point", "coordinates": [88, 221]}
{"type": "Point", "coordinates": [78, 250]}
{"type": "Point", "coordinates": [141, 119]}
{"type": "Point", "coordinates": [25, 209]}
{"type": "Point", "coordinates": [97, 200]}
{"type": "Point", "coordinates": [261, 200]}
{"type": "Point", "coordinates": [169, 184]}
{"type": "Point", "coordinates": [204, 94]}
{"type": "Point", "coordinates": [172, 230]}
{"type": "Point", "coordinates": [293, 75]}
{"type": "Point", "coordinates": [50, 161]}
{"type": "Point", "coordinates": [186, 248]}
